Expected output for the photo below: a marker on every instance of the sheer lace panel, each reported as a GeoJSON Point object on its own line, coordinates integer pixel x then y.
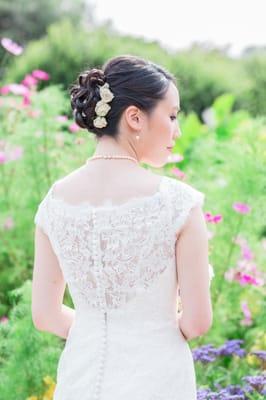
{"type": "Point", "coordinates": [107, 254]}
{"type": "Point", "coordinates": [110, 253]}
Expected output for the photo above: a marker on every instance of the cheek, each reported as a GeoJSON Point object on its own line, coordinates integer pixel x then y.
{"type": "Point", "coordinates": [162, 123]}
{"type": "Point", "coordinates": [159, 129]}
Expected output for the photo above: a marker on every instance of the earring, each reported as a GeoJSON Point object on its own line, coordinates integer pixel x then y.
{"type": "Point", "coordinates": [137, 137]}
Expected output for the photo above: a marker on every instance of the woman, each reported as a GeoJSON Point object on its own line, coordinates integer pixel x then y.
{"type": "Point", "coordinates": [125, 240]}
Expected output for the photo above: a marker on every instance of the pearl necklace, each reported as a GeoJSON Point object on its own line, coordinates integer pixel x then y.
{"type": "Point", "coordinates": [112, 156]}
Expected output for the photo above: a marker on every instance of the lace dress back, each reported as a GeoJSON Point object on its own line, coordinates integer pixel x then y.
{"type": "Point", "coordinates": [119, 263]}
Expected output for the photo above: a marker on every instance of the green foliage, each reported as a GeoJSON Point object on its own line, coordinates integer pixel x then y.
{"type": "Point", "coordinates": [79, 50]}
{"type": "Point", "coordinates": [255, 97]}
{"type": "Point", "coordinates": [201, 75]}
{"type": "Point", "coordinates": [26, 20]}
{"type": "Point", "coordinates": [26, 354]}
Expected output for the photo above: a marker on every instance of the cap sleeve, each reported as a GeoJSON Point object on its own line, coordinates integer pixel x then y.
{"type": "Point", "coordinates": [41, 217]}
{"type": "Point", "coordinates": [183, 198]}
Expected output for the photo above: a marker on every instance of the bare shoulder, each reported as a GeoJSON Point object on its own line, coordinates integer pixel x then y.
{"type": "Point", "coordinates": [83, 182]}
{"type": "Point", "coordinates": [64, 186]}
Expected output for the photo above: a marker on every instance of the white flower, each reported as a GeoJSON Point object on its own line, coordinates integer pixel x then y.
{"type": "Point", "coordinates": [99, 122]}
{"type": "Point", "coordinates": [105, 93]}
{"type": "Point", "coordinates": [208, 117]}
{"type": "Point", "coordinates": [211, 274]}
{"type": "Point", "coordinates": [102, 108]}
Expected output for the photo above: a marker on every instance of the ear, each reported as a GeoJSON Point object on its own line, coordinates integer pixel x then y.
{"type": "Point", "coordinates": [134, 117]}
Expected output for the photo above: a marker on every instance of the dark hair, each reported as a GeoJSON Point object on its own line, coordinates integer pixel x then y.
{"type": "Point", "coordinates": [132, 80]}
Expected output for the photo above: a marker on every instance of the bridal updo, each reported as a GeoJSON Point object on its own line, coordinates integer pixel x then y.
{"type": "Point", "coordinates": [132, 80]}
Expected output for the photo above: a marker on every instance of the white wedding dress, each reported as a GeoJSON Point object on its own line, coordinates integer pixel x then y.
{"type": "Point", "coordinates": [119, 264]}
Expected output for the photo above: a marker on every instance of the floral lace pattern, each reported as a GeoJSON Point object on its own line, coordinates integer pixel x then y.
{"type": "Point", "coordinates": [132, 242]}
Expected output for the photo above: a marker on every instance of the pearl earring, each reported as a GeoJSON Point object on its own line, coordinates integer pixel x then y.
{"type": "Point", "coordinates": [137, 137]}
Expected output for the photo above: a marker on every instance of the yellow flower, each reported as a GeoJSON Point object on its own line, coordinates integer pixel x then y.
{"type": "Point", "coordinates": [48, 395]}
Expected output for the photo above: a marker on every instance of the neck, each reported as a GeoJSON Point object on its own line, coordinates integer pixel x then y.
{"type": "Point", "coordinates": [109, 146]}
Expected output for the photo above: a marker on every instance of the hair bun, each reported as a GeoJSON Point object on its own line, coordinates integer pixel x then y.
{"type": "Point", "coordinates": [84, 96]}
{"type": "Point", "coordinates": [91, 78]}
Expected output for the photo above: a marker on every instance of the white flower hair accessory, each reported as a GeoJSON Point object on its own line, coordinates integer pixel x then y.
{"type": "Point", "coordinates": [102, 108]}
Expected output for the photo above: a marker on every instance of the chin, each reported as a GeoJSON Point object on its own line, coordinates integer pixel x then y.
{"type": "Point", "coordinates": [157, 164]}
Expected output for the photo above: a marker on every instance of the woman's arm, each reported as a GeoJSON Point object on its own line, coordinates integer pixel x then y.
{"type": "Point", "coordinates": [48, 287]}
{"type": "Point", "coordinates": [193, 275]}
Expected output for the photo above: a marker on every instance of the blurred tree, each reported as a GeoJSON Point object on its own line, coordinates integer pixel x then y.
{"type": "Point", "coordinates": [26, 20]}
{"type": "Point", "coordinates": [255, 97]}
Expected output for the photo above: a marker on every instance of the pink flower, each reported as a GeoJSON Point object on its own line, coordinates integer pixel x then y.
{"type": "Point", "coordinates": [9, 223]}
{"type": "Point", "coordinates": [11, 155]}
{"type": "Point", "coordinates": [74, 127]}
{"type": "Point", "coordinates": [214, 219]}
{"type": "Point", "coordinates": [241, 241]}
{"type": "Point", "coordinates": [2, 143]}
{"type": "Point", "coordinates": [39, 74]}
{"type": "Point", "coordinates": [16, 153]}
{"type": "Point", "coordinates": [34, 113]}
{"type": "Point", "coordinates": [14, 88]}
{"type": "Point", "coordinates": [29, 81]}
{"type": "Point", "coordinates": [5, 89]}
{"type": "Point", "coordinates": [246, 279]}
{"type": "Point", "coordinates": [229, 275]}
{"type": "Point", "coordinates": [247, 314]}
{"type": "Point", "coordinates": [175, 158]}
{"type": "Point", "coordinates": [210, 234]}
{"type": "Point", "coordinates": [61, 118]}
{"type": "Point", "coordinates": [180, 174]}
{"type": "Point", "coordinates": [26, 100]}
{"type": "Point", "coordinates": [3, 320]}
{"type": "Point", "coordinates": [2, 157]}
{"type": "Point", "coordinates": [241, 208]}
{"type": "Point", "coordinates": [247, 253]}
{"type": "Point", "coordinates": [11, 46]}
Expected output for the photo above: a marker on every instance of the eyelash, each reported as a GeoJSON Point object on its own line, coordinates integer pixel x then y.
{"type": "Point", "coordinates": [173, 117]}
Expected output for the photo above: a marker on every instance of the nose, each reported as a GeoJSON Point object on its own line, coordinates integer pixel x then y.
{"type": "Point", "coordinates": [178, 132]}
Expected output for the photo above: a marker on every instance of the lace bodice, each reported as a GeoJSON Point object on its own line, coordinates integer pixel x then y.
{"type": "Point", "coordinates": [109, 253]}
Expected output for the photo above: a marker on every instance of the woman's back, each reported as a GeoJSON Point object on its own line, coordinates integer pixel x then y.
{"type": "Point", "coordinates": [120, 267]}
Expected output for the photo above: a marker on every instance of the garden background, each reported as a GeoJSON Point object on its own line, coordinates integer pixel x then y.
{"type": "Point", "coordinates": [221, 151]}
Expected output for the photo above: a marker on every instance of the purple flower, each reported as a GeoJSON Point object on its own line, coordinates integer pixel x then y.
{"type": "Point", "coordinates": [256, 382]}
{"type": "Point", "coordinates": [260, 354]}
{"type": "Point", "coordinates": [232, 347]}
{"type": "Point", "coordinates": [206, 394]}
{"type": "Point", "coordinates": [205, 354]}
{"type": "Point", "coordinates": [11, 46]}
